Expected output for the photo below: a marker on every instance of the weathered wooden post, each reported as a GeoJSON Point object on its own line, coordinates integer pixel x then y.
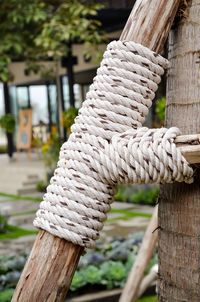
{"type": "Point", "coordinates": [52, 262]}
{"type": "Point", "coordinates": [179, 204]}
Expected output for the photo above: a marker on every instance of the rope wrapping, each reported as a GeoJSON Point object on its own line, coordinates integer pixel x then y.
{"type": "Point", "coordinates": [108, 146]}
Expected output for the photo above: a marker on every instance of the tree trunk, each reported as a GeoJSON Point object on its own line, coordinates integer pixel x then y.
{"type": "Point", "coordinates": [179, 204]}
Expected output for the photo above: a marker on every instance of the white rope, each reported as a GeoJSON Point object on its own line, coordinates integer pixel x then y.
{"type": "Point", "coordinates": [108, 146]}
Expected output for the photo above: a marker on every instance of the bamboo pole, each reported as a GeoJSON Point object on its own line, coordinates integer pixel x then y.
{"type": "Point", "coordinates": [149, 24]}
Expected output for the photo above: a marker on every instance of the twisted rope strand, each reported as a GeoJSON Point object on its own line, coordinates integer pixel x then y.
{"type": "Point", "coordinates": [108, 146]}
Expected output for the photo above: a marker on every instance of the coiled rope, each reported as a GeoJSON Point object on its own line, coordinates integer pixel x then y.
{"type": "Point", "coordinates": [108, 146]}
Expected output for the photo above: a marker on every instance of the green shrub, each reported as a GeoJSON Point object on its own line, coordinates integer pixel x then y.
{"type": "Point", "coordinates": [7, 122]}
{"type": "Point", "coordinates": [121, 194]}
{"type": "Point", "coordinates": [6, 295]}
{"type": "Point", "coordinates": [51, 150]}
{"type": "Point", "coordinates": [105, 267]}
{"type": "Point", "coordinates": [78, 280]}
{"type": "Point", "coordinates": [3, 224]}
{"type": "Point", "coordinates": [148, 299]}
{"type": "Point", "coordinates": [113, 274]}
{"type": "Point", "coordinates": [41, 186]}
{"type": "Point", "coordinates": [160, 109]}
{"type": "Point", "coordinates": [68, 118]}
{"type": "Point", "coordinates": [145, 196]}
{"type": "Point", "coordinates": [93, 275]}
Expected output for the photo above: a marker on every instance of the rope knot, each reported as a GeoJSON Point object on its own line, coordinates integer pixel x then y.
{"type": "Point", "coordinates": [150, 156]}
{"type": "Point", "coordinates": [108, 146]}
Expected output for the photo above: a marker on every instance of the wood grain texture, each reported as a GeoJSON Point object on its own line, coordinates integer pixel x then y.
{"type": "Point", "coordinates": [49, 270]}
{"type": "Point", "coordinates": [149, 24]}
{"type": "Point", "coordinates": [191, 153]}
{"type": "Point", "coordinates": [179, 204]}
{"type": "Point", "coordinates": [189, 146]}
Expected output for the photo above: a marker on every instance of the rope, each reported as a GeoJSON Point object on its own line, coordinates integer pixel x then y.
{"type": "Point", "coordinates": [108, 146]}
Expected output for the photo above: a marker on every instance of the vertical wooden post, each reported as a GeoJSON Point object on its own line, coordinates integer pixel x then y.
{"type": "Point", "coordinates": [179, 206]}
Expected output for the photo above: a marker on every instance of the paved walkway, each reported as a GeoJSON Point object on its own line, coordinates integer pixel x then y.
{"type": "Point", "coordinates": [14, 174]}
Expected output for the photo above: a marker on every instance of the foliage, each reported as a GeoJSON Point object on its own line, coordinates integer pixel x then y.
{"type": "Point", "coordinates": [68, 118]}
{"type": "Point", "coordinates": [10, 271]}
{"type": "Point", "coordinates": [109, 264]}
{"type": "Point", "coordinates": [3, 149]}
{"type": "Point", "coordinates": [39, 30]}
{"type": "Point", "coordinates": [106, 267]}
{"type": "Point", "coordinates": [160, 110]}
{"type": "Point", "coordinates": [7, 122]}
{"type": "Point", "coordinates": [78, 281]}
{"type": "Point", "coordinates": [126, 214]}
{"type": "Point", "coordinates": [19, 197]}
{"type": "Point", "coordinates": [50, 151]}
{"type": "Point", "coordinates": [72, 21]}
{"type": "Point", "coordinates": [142, 195]}
{"type": "Point", "coordinates": [41, 186]}
{"type": "Point", "coordinates": [6, 295]}
{"type": "Point", "coordinates": [3, 224]}
{"type": "Point", "coordinates": [145, 196]}
{"type": "Point", "coordinates": [113, 274]}
{"type": "Point", "coordinates": [148, 299]}
{"type": "Point", "coordinates": [15, 232]}
{"type": "Point", "coordinates": [110, 274]}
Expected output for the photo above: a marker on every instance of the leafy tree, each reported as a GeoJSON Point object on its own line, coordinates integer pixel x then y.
{"type": "Point", "coordinates": [36, 30]}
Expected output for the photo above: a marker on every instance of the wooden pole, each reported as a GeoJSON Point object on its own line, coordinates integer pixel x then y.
{"type": "Point", "coordinates": [189, 146]}
{"type": "Point", "coordinates": [148, 24]}
{"type": "Point", "coordinates": [179, 203]}
{"type": "Point", "coordinates": [130, 291]}
{"type": "Point", "coordinates": [49, 270]}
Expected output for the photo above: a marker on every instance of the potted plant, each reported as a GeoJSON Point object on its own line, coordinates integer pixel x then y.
{"type": "Point", "coordinates": [7, 122]}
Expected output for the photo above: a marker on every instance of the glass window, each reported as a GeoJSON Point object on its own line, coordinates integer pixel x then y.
{"type": "Point", "coordinates": [38, 96]}
{"type": "Point", "coordinates": [22, 96]}
{"type": "Point", "coordinates": [53, 104]}
{"type": "Point", "coordinates": [77, 93]}
{"type": "Point", "coordinates": [65, 92]}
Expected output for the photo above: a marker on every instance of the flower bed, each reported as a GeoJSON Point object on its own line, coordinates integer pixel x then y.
{"type": "Point", "coordinates": [105, 267]}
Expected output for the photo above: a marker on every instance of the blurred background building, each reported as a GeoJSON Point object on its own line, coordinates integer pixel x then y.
{"type": "Point", "coordinates": [48, 98]}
